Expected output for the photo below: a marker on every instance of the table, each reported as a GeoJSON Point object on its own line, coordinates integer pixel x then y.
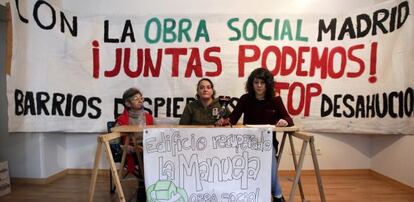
{"type": "Point", "coordinates": [288, 132]}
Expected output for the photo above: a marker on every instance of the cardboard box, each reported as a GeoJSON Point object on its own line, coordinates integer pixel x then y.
{"type": "Point", "coordinates": [5, 186]}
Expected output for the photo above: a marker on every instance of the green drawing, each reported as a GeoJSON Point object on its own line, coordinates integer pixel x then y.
{"type": "Point", "coordinates": [164, 190]}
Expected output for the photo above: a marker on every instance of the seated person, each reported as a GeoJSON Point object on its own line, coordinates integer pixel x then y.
{"type": "Point", "coordinates": [260, 105]}
{"type": "Point", "coordinates": [205, 110]}
{"type": "Point", "coordinates": [134, 114]}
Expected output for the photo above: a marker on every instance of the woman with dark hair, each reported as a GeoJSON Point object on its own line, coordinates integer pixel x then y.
{"type": "Point", "coordinates": [260, 106]}
{"type": "Point", "coordinates": [205, 110]}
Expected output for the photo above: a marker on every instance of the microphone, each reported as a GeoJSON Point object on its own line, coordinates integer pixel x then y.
{"type": "Point", "coordinates": [223, 101]}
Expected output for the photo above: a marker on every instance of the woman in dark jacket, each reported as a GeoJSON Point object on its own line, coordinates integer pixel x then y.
{"type": "Point", "coordinates": [206, 109]}
{"type": "Point", "coordinates": [260, 106]}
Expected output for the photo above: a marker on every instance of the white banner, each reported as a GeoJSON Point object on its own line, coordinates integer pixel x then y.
{"type": "Point", "coordinates": [352, 72]}
{"type": "Point", "coordinates": [208, 164]}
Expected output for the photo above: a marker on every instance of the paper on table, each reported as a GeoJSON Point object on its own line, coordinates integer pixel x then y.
{"type": "Point", "coordinates": [260, 126]}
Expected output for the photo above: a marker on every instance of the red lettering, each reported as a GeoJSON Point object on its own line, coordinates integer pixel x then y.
{"type": "Point", "coordinates": [276, 51]}
{"type": "Point", "coordinates": [127, 69]}
{"type": "Point", "coordinates": [117, 68]}
{"type": "Point", "coordinates": [299, 70]}
{"type": "Point", "coordinates": [243, 58]}
{"type": "Point", "coordinates": [305, 93]}
{"type": "Point", "coordinates": [281, 86]}
{"type": "Point", "coordinates": [373, 62]}
{"type": "Point", "coordinates": [175, 52]}
{"type": "Point", "coordinates": [356, 59]}
{"type": "Point", "coordinates": [213, 59]}
{"type": "Point", "coordinates": [319, 62]}
{"type": "Point", "coordinates": [312, 90]}
{"type": "Point", "coordinates": [288, 51]}
{"type": "Point", "coordinates": [290, 106]}
{"type": "Point", "coordinates": [95, 56]}
{"type": "Point", "coordinates": [155, 70]}
{"type": "Point", "coordinates": [342, 54]}
{"type": "Point", "coordinates": [194, 64]}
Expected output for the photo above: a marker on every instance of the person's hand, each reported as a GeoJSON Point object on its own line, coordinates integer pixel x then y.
{"type": "Point", "coordinates": [282, 123]}
{"type": "Point", "coordinates": [223, 122]}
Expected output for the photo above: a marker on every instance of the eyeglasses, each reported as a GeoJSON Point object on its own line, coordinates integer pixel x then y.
{"type": "Point", "coordinates": [136, 98]}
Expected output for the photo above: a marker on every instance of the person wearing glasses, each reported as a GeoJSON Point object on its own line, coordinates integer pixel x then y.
{"type": "Point", "coordinates": [134, 114]}
{"type": "Point", "coordinates": [260, 105]}
{"type": "Point", "coordinates": [206, 110]}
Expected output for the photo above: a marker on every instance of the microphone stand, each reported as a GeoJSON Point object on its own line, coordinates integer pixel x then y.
{"type": "Point", "coordinates": [224, 101]}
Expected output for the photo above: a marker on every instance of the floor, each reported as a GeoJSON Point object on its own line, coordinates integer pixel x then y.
{"type": "Point", "coordinates": [338, 188]}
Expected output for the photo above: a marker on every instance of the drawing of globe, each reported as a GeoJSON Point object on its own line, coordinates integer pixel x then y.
{"type": "Point", "coordinates": [166, 191]}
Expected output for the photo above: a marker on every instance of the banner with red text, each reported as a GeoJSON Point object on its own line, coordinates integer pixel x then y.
{"type": "Point", "coordinates": [351, 73]}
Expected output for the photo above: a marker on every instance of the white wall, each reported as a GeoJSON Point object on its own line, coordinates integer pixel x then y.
{"type": "Point", "coordinates": [39, 155]}
{"type": "Point", "coordinates": [53, 154]}
{"type": "Point", "coordinates": [335, 151]}
{"type": "Point", "coordinates": [392, 156]}
{"type": "Point", "coordinates": [80, 151]}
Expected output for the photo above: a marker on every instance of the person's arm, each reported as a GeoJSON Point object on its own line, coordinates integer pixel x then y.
{"type": "Point", "coordinates": [238, 110]}
{"type": "Point", "coordinates": [282, 112]}
{"type": "Point", "coordinates": [186, 116]}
